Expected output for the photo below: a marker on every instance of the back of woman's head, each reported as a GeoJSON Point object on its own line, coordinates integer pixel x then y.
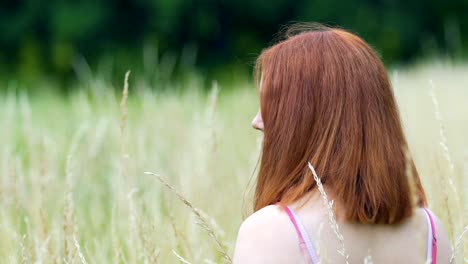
{"type": "Point", "coordinates": [325, 98]}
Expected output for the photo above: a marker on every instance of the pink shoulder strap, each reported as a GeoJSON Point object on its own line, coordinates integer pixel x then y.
{"type": "Point", "coordinates": [304, 239]}
{"type": "Point", "coordinates": [432, 239]}
{"type": "Point", "coordinates": [296, 226]}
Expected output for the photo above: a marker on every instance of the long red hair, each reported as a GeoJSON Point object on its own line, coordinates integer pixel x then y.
{"type": "Point", "coordinates": [325, 98]}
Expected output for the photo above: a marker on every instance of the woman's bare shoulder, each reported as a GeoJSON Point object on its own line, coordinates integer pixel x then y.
{"type": "Point", "coordinates": [267, 236]}
{"type": "Point", "coordinates": [268, 215]}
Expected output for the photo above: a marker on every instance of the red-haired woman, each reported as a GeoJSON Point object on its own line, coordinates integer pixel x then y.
{"type": "Point", "coordinates": [325, 99]}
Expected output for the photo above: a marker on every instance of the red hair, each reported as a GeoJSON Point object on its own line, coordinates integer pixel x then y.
{"type": "Point", "coordinates": [325, 98]}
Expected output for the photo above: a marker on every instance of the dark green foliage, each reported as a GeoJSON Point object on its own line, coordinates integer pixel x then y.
{"type": "Point", "coordinates": [51, 37]}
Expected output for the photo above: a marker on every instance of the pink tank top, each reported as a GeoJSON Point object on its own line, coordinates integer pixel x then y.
{"type": "Point", "coordinates": [306, 244]}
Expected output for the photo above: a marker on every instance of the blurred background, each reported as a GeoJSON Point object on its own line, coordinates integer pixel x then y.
{"type": "Point", "coordinates": [76, 139]}
{"type": "Point", "coordinates": [58, 40]}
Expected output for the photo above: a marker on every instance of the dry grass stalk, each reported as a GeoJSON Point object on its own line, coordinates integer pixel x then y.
{"type": "Point", "coordinates": [458, 244]}
{"type": "Point", "coordinates": [181, 239]}
{"type": "Point", "coordinates": [150, 250]}
{"type": "Point", "coordinates": [181, 259]}
{"type": "Point", "coordinates": [70, 230]}
{"type": "Point", "coordinates": [29, 233]}
{"type": "Point", "coordinates": [316, 242]}
{"type": "Point", "coordinates": [443, 140]}
{"type": "Point", "coordinates": [442, 132]}
{"type": "Point", "coordinates": [203, 222]}
{"type": "Point", "coordinates": [212, 113]}
{"type": "Point", "coordinates": [123, 103]}
{"type": "Point", "coordinates": [131, 207]}
{"type": "Point", "coordinates": [331, 214]}
{"type": "Point", "coordinates": [118, 256]}
{"type": "Point", "coordinates": [43, 250]}
{"type": "Point", "coordinates": [212, 223]}
{"type": "Point", "coordinates": [153, 258]}
{"type": "Point", "coordinates": [445, 150]}
{"type": "Point", "coordinates": [124, 169]}
{"type": "Point", "coordinates": [78, 249]}
{"type": "Point", "coordinates": [67, 211]}
{"type": "Point", "coordinates": [16, 176]}
{"type": "Point", "coordinates": [24, 253]}
{"type": "Point", "coordinates": [134, 227]}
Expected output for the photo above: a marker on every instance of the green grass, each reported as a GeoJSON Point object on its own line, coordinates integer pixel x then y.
{"type": "Point", "coordinates": [102, 201]}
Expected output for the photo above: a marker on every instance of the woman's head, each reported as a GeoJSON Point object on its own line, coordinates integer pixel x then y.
{"type": "Point", "coordinates": [325, 98]}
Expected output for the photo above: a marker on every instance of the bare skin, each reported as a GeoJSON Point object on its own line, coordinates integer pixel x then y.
{"type": "Point", "coordinates": [268, 236]}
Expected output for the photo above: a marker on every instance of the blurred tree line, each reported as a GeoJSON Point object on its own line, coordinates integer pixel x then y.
{"type": "Point", "coordinates": [53, 38]}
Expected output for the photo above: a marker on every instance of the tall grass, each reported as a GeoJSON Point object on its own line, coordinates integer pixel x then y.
{"type": "Point", "coordinates": [73, 188]}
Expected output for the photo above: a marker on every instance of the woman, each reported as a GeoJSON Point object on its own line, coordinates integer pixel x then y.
{"type": "Point", "coordinates": [325, 98]}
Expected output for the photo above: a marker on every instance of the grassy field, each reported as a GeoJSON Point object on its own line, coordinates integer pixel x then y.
{"type": "Point", "coordinates": [73, 187]}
